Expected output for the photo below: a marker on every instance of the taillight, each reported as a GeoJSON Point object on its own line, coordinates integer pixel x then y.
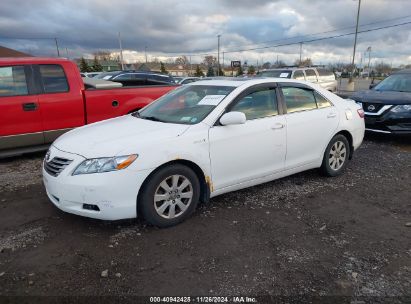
{"type": "Point", "coordinates": [361, 113]}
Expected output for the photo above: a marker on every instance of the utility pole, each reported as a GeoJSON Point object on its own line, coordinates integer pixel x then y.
{"type": "Point", "coordinates": [369, 59]}
{"type": "Point", "coordinates": [223, 61]}
{"type": "Point", "coordinates": [301, 51]}
{"type": "Point", "coordinates": [355, 42]}
{"type": "Point", "coordinates": [191, 67]}
{"type": "Point", "coordinates": [57, 47]}
{"type": "Point", "coordinates": [121, 51]}
{"type": "Point", "coordinates": [67, 54]}
{"type": "Point", "coordinates": [218, 56]}
{"type": "Point", "coordinates": [145, 52]}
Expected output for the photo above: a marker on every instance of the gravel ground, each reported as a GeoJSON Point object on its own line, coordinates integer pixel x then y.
{"type": "Point", "coordinates": [303, 235]}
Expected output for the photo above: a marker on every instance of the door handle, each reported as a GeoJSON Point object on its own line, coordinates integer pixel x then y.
{"type": "Point", "coordinates": [277, 126]}
{"type": "Point", "coordinates": [331, 115]}
{"type": "Point", "coordinates": [30, 106]}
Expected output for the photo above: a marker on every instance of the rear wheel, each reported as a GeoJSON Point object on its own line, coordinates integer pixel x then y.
{"type": "Point", "coordinates": [336, 156]}
{"type": "Point", "coordinates": [170, 196]}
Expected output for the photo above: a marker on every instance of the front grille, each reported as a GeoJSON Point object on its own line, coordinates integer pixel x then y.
{"type": "Point", "coordinates": [56, 165]}
{"type": "Point", "coordinates": [371, 107]}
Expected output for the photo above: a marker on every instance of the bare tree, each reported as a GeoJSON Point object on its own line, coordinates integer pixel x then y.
{"type": "Point", "coordinates": [210, 60]}
{"type": "Point", "coordinates": [305, 62]}
{"type": "Point", "coordinates": [182, 60]}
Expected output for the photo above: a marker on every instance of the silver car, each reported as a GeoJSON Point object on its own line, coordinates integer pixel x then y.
{"type": "Point", "coordinates": [325, 78]}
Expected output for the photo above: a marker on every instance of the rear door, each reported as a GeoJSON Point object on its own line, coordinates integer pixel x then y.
{"type": "Point", "coordinates": [61, 102]}
{"type": "Point", "coordinates": [311, 121]}
{"type": "Point", "coordinates": [20, 114]}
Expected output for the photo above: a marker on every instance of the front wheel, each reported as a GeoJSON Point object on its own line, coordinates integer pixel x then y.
{"type": "Point", "coordinates": [336, 156]}
{"type": "Point", "coordinates": [170, 196]}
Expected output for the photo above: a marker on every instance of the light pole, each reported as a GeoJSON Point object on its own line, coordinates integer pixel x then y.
{"type": "Point", "coordinates": [301, 51]}
{"type": "Point", "coordinates": [355, 42]}
{"type": "Point", "coordinates": [121, 51]}
{"type": "Point", "coordinates": [145, 52]}
{"type": "Point", "coordinates": [369, 59]}
{"type": "Point", "coordinates": [57, 47]}
{"type": "Point", "coordinates": [218, 56]}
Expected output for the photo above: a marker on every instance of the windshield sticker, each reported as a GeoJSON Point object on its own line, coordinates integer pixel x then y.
{"type": "Point", "coordinates": [194, 119]}
{"type": "Point", "coordinates": [284, 75]}
{"type": "Point", "coordinates": [211, 100]}
{"type": "Point", "coordinates": [185, 118]}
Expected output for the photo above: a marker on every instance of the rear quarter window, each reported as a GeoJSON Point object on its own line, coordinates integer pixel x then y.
{"type": "Point", "coordinates": [325, 75]}
{"type": "Point", "coordinates": [54, 79]}
{"type": "Point", "coordinates": [13, 81]}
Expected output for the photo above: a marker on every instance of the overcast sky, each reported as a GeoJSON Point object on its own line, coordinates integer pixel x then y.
{"type": "Point", "coordinates": [175, 27]}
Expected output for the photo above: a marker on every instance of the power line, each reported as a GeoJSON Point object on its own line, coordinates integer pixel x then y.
{"type": "Point", "coordinates": [319, 39]}
{"type": "Point", "coordinates": [325, 32]}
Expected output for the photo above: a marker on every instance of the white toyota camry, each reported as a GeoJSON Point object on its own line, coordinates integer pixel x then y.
{"type": "Point", "coordinates": [199, 141]}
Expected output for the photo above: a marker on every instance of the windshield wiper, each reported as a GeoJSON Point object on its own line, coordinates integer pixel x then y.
{"type": "Point", "coordinates": [153, 118]}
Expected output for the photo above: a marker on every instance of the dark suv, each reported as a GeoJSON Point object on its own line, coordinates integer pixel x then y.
{"type": "Point", "coordinates": [137, 78]}
{"type": "Point", "coordinates": [387, 105]}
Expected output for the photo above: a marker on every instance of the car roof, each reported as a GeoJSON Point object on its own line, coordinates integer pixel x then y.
{"type": "Point", "coordinates": [406, 71]}
{"type": "Point", "coordinates": [25, 60]}
{"type": "Point", "coordinates": [237, 82]}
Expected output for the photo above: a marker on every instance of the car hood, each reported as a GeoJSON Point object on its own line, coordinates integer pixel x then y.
{"type": "Point", "coordinates": [383, 97]}
{"type": "Point", "coordinates": [118, 136]}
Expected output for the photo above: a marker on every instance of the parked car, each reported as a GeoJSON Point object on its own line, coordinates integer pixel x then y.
{"type": "Point", "coordinates": [186, 80]}
{"type": "Point", "coordinates": [41, 98]}
{"type": "Point", "coordinates": [137, 78]}
{"type": "Point", "coordinates": [387, 105]}
{"type": "Point", "coordinates": [199, 141]}
{"type": "Point", "coordinates": [323, 77]}
{"type": "Point", "coordinates": [92, 74]}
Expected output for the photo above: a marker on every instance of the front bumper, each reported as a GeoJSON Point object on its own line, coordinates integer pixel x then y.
{"type": "Point", "coordinates": [114, 193]}
{"type": "Point", "coordinates": [386, 121]}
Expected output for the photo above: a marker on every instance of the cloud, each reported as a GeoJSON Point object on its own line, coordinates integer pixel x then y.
{"type": "Point", "coordinates": [175, 27]}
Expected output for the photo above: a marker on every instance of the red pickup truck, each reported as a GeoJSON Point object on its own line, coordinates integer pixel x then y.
{"type": "Point", "coordinates": [41, 98]}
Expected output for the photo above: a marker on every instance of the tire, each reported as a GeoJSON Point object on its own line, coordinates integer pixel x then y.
{"type": "Point", "coordinates": [336, 156]}
{"type": "Point", "coordinates": [162, 203]}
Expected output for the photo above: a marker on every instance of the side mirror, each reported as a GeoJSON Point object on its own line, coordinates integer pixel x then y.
{"type": "Point", "coordinates": [233, 118]}
{"type": "Point", "coordinates": [372, 85]}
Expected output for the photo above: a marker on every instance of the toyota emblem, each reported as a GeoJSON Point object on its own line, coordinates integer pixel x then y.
{"type": "Point", "coordinates": [371, 108]}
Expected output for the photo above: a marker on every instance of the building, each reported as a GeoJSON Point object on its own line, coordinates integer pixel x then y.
{"type": "Point", "coordinates": [6, 52]}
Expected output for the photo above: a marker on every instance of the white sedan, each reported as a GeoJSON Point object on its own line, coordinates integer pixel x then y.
{"type": "Point", "coordinates": [198, 141]}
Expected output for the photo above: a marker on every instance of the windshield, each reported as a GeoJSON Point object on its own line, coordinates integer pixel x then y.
{"type": "Point", "coordinates": [186, 105]}
{"type": "Point", "coordinates": [396, 82]}
{"type": "Point", "coordinates": [275, 73]}
{"type": "Point", "coordinates": [106, 75]}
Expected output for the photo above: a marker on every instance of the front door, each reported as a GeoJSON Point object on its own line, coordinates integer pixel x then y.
{"type": "Point", "coordinates": [241, 153]}
{"type": "Point", "coordinates": [20, 113]}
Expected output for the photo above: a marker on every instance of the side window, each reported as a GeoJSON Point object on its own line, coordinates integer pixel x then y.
{"type": "Point", "coordinates": [322, 102]}
{"type": "Point", "coordinates": [299, 75]}
{"type": "Point", "coordinates": [298, 99]}
{"type": "Point", "coordinates": [54, 79]}
{"type": "Point", "coordinates": [259, 104]}
{"type": "Point", "coordinates": [310, 75]}
{"type": "Point", "coordinates": [13, 81]}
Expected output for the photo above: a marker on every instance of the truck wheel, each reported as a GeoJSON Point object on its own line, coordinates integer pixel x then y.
{"type": "Point", "coordinates": [170, 196]}
{"type": "Point", "coordinates": [336, 156]}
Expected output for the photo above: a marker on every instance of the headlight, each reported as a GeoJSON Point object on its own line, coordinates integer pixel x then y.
{"type": "Point", "coordinates": [401, 108]}
{"type": "Point", "coordinates": [105, 164]}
